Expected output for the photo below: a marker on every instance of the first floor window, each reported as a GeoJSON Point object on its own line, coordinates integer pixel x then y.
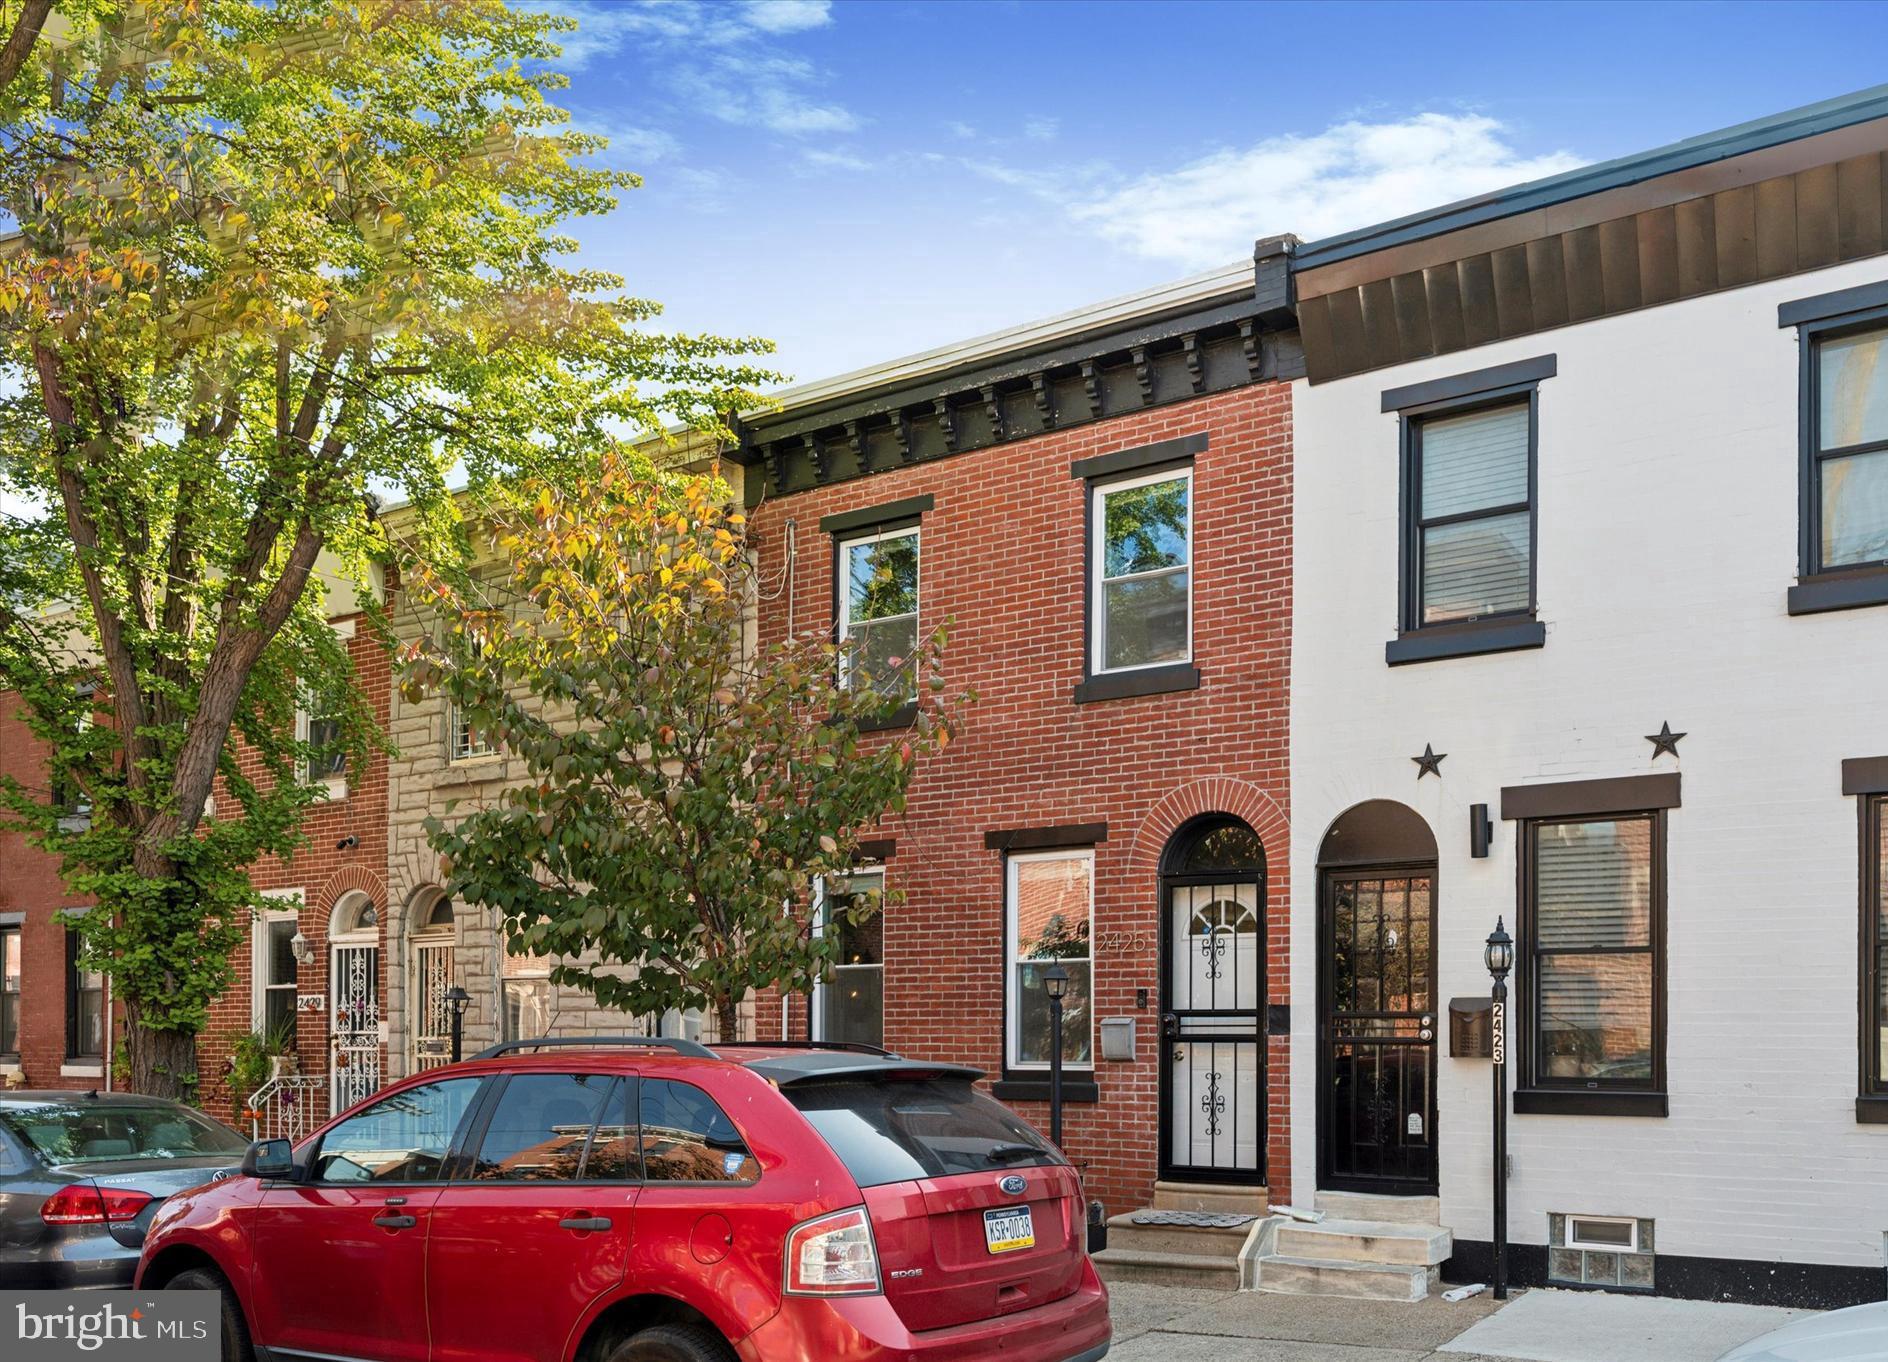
{"type": "Point", "coordinates": [274, 1012]}
{"type": "Point", "coordinates": [1593, 931]}
{"type": "Point", "coordinates": [85, 1005]}
{"type": "Point", "coordinates": [1470, 535]}
{"type": "Point", "coordinates": [463, 741]}
{"type": "Point", "coordinates": [9, 990]}
{"type": "Point", "coordinates": [850, 1005]}
{"type": "Point", "coordinates": [1051, 910]}
{"type": "Point", "coordinates": [1141, 555]}
{"type": "Point", "coordinates": [1847, 461]}
{"type": "Point", "coordinates": [878, 610]}
{"type": "Point", "coordinates": [1875, 935]}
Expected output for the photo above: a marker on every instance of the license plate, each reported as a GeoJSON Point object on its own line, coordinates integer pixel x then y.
{"type": "Point", "coordinates": [1008, 1228]}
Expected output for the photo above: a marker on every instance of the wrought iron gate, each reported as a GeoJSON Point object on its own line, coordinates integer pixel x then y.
{"type": "Point", "coordinates": [432, 1013]}
{"type": "Point", "coordinates": [354, 1024]}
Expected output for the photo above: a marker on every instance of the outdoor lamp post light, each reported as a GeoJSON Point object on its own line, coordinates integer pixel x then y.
{"type": "Point", "coordinates": [458, 1000]}
{"type": "Point", "coordinates": [1499, 957]}
{"type": "Point", "coordinates": [1055, 982]}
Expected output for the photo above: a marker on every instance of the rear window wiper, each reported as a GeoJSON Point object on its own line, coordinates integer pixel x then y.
{"type": "Point", "coordinates": [1005, 1153]}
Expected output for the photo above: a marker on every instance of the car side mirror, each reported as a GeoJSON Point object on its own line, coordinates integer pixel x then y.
{"type": "Point", "coordinates": [269, 1159]}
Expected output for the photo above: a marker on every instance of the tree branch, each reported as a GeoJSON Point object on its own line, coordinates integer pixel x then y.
{"type": "Point", "coordinates": [20, 42]}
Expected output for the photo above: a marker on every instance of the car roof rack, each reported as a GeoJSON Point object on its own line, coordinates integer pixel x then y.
{"type": "Point", "coordinates": [857, 1047]}
{"type": "Point", "coordinates": [690, 1048]}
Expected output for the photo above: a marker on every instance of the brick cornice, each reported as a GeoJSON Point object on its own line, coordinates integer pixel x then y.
{"type": "Point", "coordinates": [1213, 794]}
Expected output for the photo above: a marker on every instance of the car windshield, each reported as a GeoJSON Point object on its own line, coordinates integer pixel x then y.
{"type": "Point", "coordinates": [903, 1129]}
{"type": "Point", "coordinates": [89, 1131]}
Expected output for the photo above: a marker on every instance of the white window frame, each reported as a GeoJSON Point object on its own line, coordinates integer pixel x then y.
{"type": "Point", "coordinates": [1098, 563]}
{"type": "Point", "coordinates": [292, 900]}
{"type": "Point", "coordinates": [816, 1007]}
{"type": "Point", "coordinates": [334, 786]}
{"type": "Point", "coordinates": [1575, 1241]}
{"type": "Point", "coordinates": [457, 753]}
{"type": "Point", "coordinates": [1012, 1001]}
{"type": "Point", "coordinates": [843, 552]}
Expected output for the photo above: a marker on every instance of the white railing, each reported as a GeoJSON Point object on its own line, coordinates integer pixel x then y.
{"type": "Point", "coordinates": [287, 1107]}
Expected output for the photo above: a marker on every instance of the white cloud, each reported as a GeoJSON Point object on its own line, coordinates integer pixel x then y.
{"type": "Point", "coordinates": [761, 90]}
{"type": "Point", "coordinates": [1042, 129]}
{"type": "Point", "coordinates": [787, 16]}
{"type": "Point", "coordinates": [632, 145]}
{"type": "Point", "coordinates": [1350, 175]}
{"type": "Point", "coordinates": [813, 158]}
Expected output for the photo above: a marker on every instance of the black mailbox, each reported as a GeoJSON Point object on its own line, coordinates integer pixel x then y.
{"type": "Point", "coordinates": [1471, 1028]}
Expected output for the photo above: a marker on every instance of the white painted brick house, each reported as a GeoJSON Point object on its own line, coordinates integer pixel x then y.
{"type": "Point", "coordinates": [1551, 492]}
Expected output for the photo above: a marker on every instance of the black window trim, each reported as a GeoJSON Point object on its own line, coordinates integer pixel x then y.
{"type": "Point", "coordinates": [1098, 474]}
{"type": "Point", "coordinates": [1829, 316]}
{"type": "Point", "coordinates": [1538, 1096]}
{"type": "Point", "coordinates": [1459, 395]}
{"type": "Point", "coordinates": [1866, 780]}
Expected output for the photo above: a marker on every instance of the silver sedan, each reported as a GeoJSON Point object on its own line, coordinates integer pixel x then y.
{"type": "Point", "coordinates": [82, 1173]}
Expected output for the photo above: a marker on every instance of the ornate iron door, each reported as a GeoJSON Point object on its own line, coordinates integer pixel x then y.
{"type": "Point", "coordinates": [1377, 1101]}
{"type": "Point", "coordinates": [1212, 1000]}
{"type": "Point", "coordinates": [432, 1014]}
{"type": "Point", "coordinates": [354, 1024]}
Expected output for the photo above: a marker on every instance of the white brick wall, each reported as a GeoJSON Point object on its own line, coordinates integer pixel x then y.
{"type": "Point", "coordinates": [1667, 503]}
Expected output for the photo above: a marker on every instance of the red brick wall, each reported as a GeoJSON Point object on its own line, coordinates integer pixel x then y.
{"type": "Point", "coordinates": [30, 883]}
{"type": "Point", "coordinates": [1002, 558]}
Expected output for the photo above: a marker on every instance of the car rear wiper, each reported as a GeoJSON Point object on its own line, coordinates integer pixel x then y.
{"type": "Point", "coordinates": [1004, 1153]}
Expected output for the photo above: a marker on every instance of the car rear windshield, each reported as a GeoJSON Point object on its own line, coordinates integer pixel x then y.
{"type": "Point", "coordinates": [88, 1131]}
{"type": "Point", "coordinates": [896, 1130]}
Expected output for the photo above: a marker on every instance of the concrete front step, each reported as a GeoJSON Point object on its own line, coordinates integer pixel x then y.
{"type": "Point", "coordinates": [1366, 1241]}
{"type": "Point", "coordinates": [1210, 1196]}
{"type": "Point", "coordinates": [1287, 1275]}
{"type": "Point", "coordinates": [1208, 1270]}
{"type": "Point", "coordinates": [1195, 1240]}
{"type": "Point", "coordinates": [1402, 1210]}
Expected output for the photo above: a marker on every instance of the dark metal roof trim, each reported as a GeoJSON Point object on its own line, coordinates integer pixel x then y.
{"type": "Point", "coordinates": [1045, 839]}
{"type": "Point", "coordinates": [1865, 775]}
{"type": "Point", "coordinates": [870, 516]}
{"type": "Point", "coordinates": [1176, 450]}
{"type": "Point", "coordinates": [1774, 130]}
{"type": "Point", "coordinates": [1823, 306]}
{"type": "Point", "coordinates": [1457, 386]}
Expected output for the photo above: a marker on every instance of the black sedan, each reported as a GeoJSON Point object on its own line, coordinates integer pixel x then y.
{"type": "Point", "coordinates": [82, 1173]}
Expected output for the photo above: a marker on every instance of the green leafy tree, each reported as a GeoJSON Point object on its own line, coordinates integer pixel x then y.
{"type": "Point", "coordinates": [682, 788]}
{"type": "Point", "coordinates": [270, 263]}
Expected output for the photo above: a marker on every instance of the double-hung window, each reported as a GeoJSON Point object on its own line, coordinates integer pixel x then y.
{"type": "Point", "coordinates": [878, 610]}
{"type": "Point", "coordinates": [273, 971]}
{"type": "Point", "coordinates": [1469, 444]}
{"type": "Point", "coordinates": [1050, 914]}
{"type": "Point", "coordinates": [1842, 343]}
{"type": "Point", "coordinates": [849, 1005]}
{"type": "Point", "coordinates": [85, 1006]}
{"type": "Point", "coordinates": [1593, 963]}
{"type": "Point", "coordinates": [10, 991]}
{"type": "Point", "coordinates": [1141, 558]}
{"type": "Point", "coordinates": [464, 742]}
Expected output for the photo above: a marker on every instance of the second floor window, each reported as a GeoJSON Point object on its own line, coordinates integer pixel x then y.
{"type": "Point", "coordinates": [1142, 560]}
{"type": "Point", "coordinates": [327, 750]}
{"type": "Point", "coordinates": [1470, 537]}
{"type": "Point", "coordinates": [878, 610]}
{"type": "Point", "coordinates": [1848, 451]}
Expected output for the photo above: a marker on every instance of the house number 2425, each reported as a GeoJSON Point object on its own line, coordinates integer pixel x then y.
{"type": "Point", "coordinates": [1123, 943]}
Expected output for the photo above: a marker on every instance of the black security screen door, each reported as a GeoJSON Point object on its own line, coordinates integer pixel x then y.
{"type": "Point", "coordinates": [1377, 1033]}
{"type": "Point", "coordinates": [1212, 1090]}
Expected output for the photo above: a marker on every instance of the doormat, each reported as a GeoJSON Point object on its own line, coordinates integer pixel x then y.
{"type": "Point", "coordinates": [1197, 1220]}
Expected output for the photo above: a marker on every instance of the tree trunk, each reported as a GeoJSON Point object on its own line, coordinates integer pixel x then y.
{"type": "Point", "coordinates": [163, 1063]}
{"type": "Point", "coordinates": [728, 1019]}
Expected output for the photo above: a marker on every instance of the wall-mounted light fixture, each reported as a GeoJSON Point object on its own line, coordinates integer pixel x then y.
{"type": "Point", "coordinates": [1480, 830]}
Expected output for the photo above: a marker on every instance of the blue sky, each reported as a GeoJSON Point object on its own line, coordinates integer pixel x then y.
{"type": "Point", "coordinates": [862, 179]}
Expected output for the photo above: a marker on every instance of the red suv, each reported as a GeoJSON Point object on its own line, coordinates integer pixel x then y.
{"type": "Point", "coordinates": [638, 1200]}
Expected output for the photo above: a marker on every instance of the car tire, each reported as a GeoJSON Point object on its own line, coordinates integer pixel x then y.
{"type": "Point", "coordinates": [674, 1343]}
{"type": "Point", "coordinates": [236, 1345]}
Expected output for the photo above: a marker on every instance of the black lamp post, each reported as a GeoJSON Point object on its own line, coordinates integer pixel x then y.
{"type": "Point", "coordinates": [1055, 982]}
{"type": "Point", "coordinates": [1499, 957]}
{"type": "Point", "coordinates": [458, 1000]}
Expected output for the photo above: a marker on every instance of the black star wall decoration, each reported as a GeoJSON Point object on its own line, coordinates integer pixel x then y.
{"type": "Point", "coordinates": [1664, 741]}
{"type": "Point", "coordinates": [1429, 763]}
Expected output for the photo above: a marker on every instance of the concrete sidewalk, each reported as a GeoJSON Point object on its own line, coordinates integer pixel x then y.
{"type": "Point", "coordinates": [1173, 1324]}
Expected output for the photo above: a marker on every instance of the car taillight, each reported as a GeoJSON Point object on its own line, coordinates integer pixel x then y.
{"type": "Point", "coordinates": [832, 1256]}
{"type": "Point", "coordinates": [80, 1203]}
